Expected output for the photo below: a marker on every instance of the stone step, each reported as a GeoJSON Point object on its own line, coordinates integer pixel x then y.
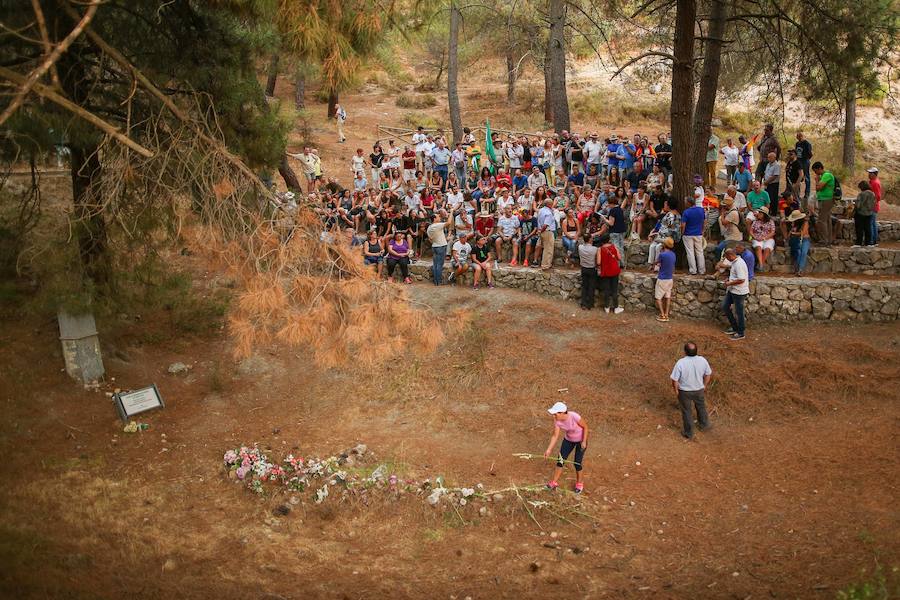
{"type": "Point", "coordinates": [773, 298]}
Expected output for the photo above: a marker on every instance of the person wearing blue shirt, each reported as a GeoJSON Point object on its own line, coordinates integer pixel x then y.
{"type": "Point", "coordinates": [692, 222]}
{"type": "Point", "coordinates": [625, 154]}
{"type": "Point", "coordinates": [612, 150]}
{"type": "Point", "coordinates": [665, 280]}
{"type": "Point", "coordinates": [520, 181]}
{"type": "Point", "coordinates": [577, 177]}
{"type": "Point", "coordinates": [742, 178]}
{"type": "Point", "coordinates": [749, 258]}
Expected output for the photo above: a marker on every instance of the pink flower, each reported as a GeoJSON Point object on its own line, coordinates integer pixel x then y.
{"type": "Point", "coordinates": [242, 472]}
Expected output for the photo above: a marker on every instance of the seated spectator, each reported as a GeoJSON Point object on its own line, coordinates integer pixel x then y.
{"type": "Point", "coordinates": [571, 232]}
{"type": "Point", "coordinates": [762, 234]}
{"type": "Point", "coordinates": [638, 211]}
{"type": "Point", "coordinates": [530, 239]}
{"type": "Point", "coordinates": [398, 254]}
{"type": "Point", "coordinates": [636, 177]}
{"type": "Point", "coordinates": [729, 225]}
{"type": "Point", "coordinates": [537, 179]}
{"type": "Point", "coordinates": [519, 182]}
{"type": "Point", "coordinates": [576, 179]}
{"type": "Point", "coordinates": [373, 252]}
{"type": "Point", "coordinates": [593, 178]}
{"type": "Point", "coordinates": [787, 204]}
{"type": "Point", "coordinates": [668, 226]}
{"type": "Point", "coordinates": [484, 223]}
{"type": "Point", "coordinates": [481, 261]}
{"type": "Point", "coordinates": [749, 258]}
{"type": "Point", "coordinates": [508, 232]}
{"type": "Point", "coordinates": [504, 181]}
{"type": "Point", "coordinates": [459, 260]}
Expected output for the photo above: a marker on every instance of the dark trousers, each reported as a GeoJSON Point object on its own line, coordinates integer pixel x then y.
{"type": "Point", "coordinates": [566, 449]}
{"type": "Point", "coordinates": [588, 286]}
{"type": "Point", "coordinates": [688, 401]}
{"type": "Point", "coordinates": [772, 190]}
{"type": "Point", "coordinates": [735, 317]}
{"type": "Point", "coordinates": [863, 229]}
{"type": "Point", "coordinates": [439, 253]}
{"type": "Point", "coordinates": [609, 287]}
{"type": "Point", "coordinates": [403, 262]}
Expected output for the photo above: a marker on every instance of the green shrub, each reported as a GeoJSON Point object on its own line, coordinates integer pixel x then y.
{"type": "Point", "coordinates": [405, 100]}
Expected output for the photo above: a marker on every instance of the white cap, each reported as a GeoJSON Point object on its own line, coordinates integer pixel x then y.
{"type": "Point", "coordinates": [559, 407]}
{"type": "Point", "coordinates": [872, 170]}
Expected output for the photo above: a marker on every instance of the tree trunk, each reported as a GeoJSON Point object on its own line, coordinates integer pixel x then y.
{"type": "Point", "coordinates": [287, 173]}
{"type": "Point", "coordinates": [849, 154]}
{"type": "Point", "coordinates": [548, 104]}
{"type": "Point", "coordinates": [683, 100]}
{"type": "Point", "coordinates": [90, 225]}
{"type": "Point", "coordinates": [558, 95]}
{"type": "Point", "coordinates": [273, 75]}
{"type": "Point", "coordinates": [709, 81]}
{"type": "Point", "coordinates": [453, 74]}
{"type": "Point", "coordinates": [511, 76]}
{"type": "Point", "coordinates": [299, 88]}
{"type": "Point", "coordinates": [332, 104]}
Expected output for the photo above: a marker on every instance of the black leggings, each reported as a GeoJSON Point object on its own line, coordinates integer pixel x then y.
{"type": "Point", "coordinates": [566, 449]}
{"type": "Point", "coordinates": [403, 262]}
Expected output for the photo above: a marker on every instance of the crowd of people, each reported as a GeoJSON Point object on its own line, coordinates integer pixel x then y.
{"type": "Point", "coordinates": [508, 199]}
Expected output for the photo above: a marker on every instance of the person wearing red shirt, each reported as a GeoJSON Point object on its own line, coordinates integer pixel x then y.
{"type": "Point", "coordinates": [409, 163]}
{"type": "Point", "coordinates": [484, 223]}
{"type": "Point", "coordinates": [875, 185]}
{"type": "Point", "coordinates": [504, 181]}
{"type": "Point", "coordinates": [609, 270]}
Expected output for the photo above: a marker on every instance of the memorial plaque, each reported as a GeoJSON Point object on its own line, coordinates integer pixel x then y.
{"type": "Point", "coordinates": [131, 403]}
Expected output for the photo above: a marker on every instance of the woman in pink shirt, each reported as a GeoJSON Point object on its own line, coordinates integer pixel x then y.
{"type": "Point", "coordinates": [576, 437]}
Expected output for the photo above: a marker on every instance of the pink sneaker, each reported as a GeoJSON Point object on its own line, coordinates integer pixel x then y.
{"type": "Point", "coordinates": [579, 487]}
{"type": "Point", "coordinates": [552, 485]}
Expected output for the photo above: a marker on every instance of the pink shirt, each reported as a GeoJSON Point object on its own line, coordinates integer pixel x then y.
{"type": "Point", "coordinates": [574, 432]}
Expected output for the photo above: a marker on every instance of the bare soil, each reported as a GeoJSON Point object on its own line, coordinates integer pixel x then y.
{"type": "Point", "coordinates": [791, 494]}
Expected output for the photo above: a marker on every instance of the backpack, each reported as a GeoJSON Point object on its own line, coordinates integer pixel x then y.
{"type": "Point", "coordinates": [838, 191]}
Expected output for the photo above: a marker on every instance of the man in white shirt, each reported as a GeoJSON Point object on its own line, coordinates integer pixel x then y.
{"type": "Point", "coordinates": [690, 377]}
{"type": "Point", "coordinates": [340, 115]}
{"type": "Point", "coordinates": [594, 151]}
{"type": "Point", "coordinates": [438, 238]}
{"type": "Point", "coordinates": [525, 200]}
{"type": "Point", "coordinates": [454, 198]}
{"type": "Point", "coordinates": [515, 152]}
{"type": "Point", "coordinates": [418, 139]}
{"type": "Point", "coordinates": [411, 199]}
{"type": "Point", "coordinates": [459, 263]}
{"type": "Point", "coordinates": [427, 148]}
{"type": "Point", "coordinates": [536, 179]}
{"type": "Point", "coordinates": [508, 231]}
{"type": "Point", "coordinates": [737, 289]}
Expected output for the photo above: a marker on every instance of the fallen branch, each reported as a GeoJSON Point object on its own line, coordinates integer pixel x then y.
{"type": "Point", "coordinates": [48, 93]}
{"type": "Point", "coordinates": [32, 80]}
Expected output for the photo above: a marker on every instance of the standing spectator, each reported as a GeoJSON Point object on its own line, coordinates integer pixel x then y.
{"type": "Point", "coordinates": [409, 163]}
{"type": "Point", "coordinates": [729, 224]}
{"type": "Point", "coordinates": [594, 150]}
{"type": "Point", "coordinates": [376, 159]}
{"type": "Point", "coordinates": [737, 288]}
{"type": "Point", "coordinates": [546, 222]}
{"type": "Point", "coordinates": [771, 178]}
{"type": "Point", "coordinates": [458, 157]}
{"type": "Point", "coordinates": [398, 254]}
{"type": "Point", "coordinates": [609, 261]}
{"type": "Point", "coordinates": [668, 226]}
{"type": "Point", "coordinates": [798, 240]}
{"type": "Point", "coordinates": [626, 153]}
{"type": "Point", "coordinates": [875, 186]}
{"type": "Point", "coordinates": [612, 155]}
{"type": "Point", "coordinates": [515, 153]}
{"type": "Point", "coordinates": [358, 163]}
{"type": "Point", "coordinates": [615, 222]}
{"type": "Point", "coordinates": [690, 378]}
{"type": "Point", "coordinates": [665, 280]}
{"type": "Point", "coordinates": [419, 139]}
{"type": "Point", "coordinates": [825, 185]}
{"type": "Point", "coordinates": [712, 159]}
{"type": "Point", "coordinates": [746, 149]}
{"type": "Point", "coordinates": [440, 159]}
{"type": "Point", "coordinates": [732, 156]}
{"type": "Point", "coordinates": [768, 143]}
{"type": "Point", "coordinates": [863, 213]}
{"type": "Point", "coordinates": [438, 238]}
{"type": "Point", "coordinates": [427, 148]}
{"type": "Point", "coordinates": [576, 438]}
{"type": "Point", "coordinates": [742, 178]}
{"type": "Point", "coordinates": [793, 172]}
{"type": "Point", "coordinates": [340, 115]}
{"type": "Point", "coordinates": [663, 154]}
{"type": "Point", "coordinates": [803, 150]}
{"type": "Point", "coordinates": [692, 221]}
{"type": "Point", "coordinates": [589, 259]}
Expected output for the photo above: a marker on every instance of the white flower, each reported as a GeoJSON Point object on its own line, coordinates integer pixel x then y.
{"type": "Point", "coordinates": [466, 492]}
{"type": "Point", "coordinates": [321, 494]}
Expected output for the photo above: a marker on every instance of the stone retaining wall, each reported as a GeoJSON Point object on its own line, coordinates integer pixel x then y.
{"type": "Point", "coordinates": [771, 298]}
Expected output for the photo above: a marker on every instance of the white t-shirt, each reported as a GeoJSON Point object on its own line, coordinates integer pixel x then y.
{"type": "Point", "coordinates": [504, 201]}
{"type": "Point", "coordinates": [419, 140]}
{"type": "Point", "coordinates": [427, 147]}
{"type": "Point", "coordinates": [357, 163]}
{"type": "Point", "coordinates": [525, 201]}
{"type": "Point", "coordinates": [740, 201]}
{"type": "Point", "coordinates": [412, 202]}
{"type": "Point", "coordinates": [515, 154]}
{"type": "Point", "coordinates": [732, 156]}
{"type": "Point", "coordinates": [508, 225]}
{"type": "Point", "coordinates": [454, 200]}
{"type": "Point", "coordinates": [739, 271]}
{"type": "Point", "coordinates": [594, 152]}
{"type": "Point", "coordinates": [462, 250]}
{"type": "Point", "coordinates": [689, 372]}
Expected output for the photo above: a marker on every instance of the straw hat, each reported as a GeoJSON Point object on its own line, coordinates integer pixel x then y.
{"type": "Point", "coordinates": [483, 214]}
{"type": "Point", "coordinates": [764, 209]}
{"type": "Point", "coordinates": [796, 216]}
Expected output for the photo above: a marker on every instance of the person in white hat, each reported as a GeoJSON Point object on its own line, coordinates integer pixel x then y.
{"type": "Point", "coordinates": [576, 438]}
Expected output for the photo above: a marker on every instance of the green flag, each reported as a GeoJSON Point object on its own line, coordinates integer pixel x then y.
{"type": "Point", "coordinates": [489, 146]}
